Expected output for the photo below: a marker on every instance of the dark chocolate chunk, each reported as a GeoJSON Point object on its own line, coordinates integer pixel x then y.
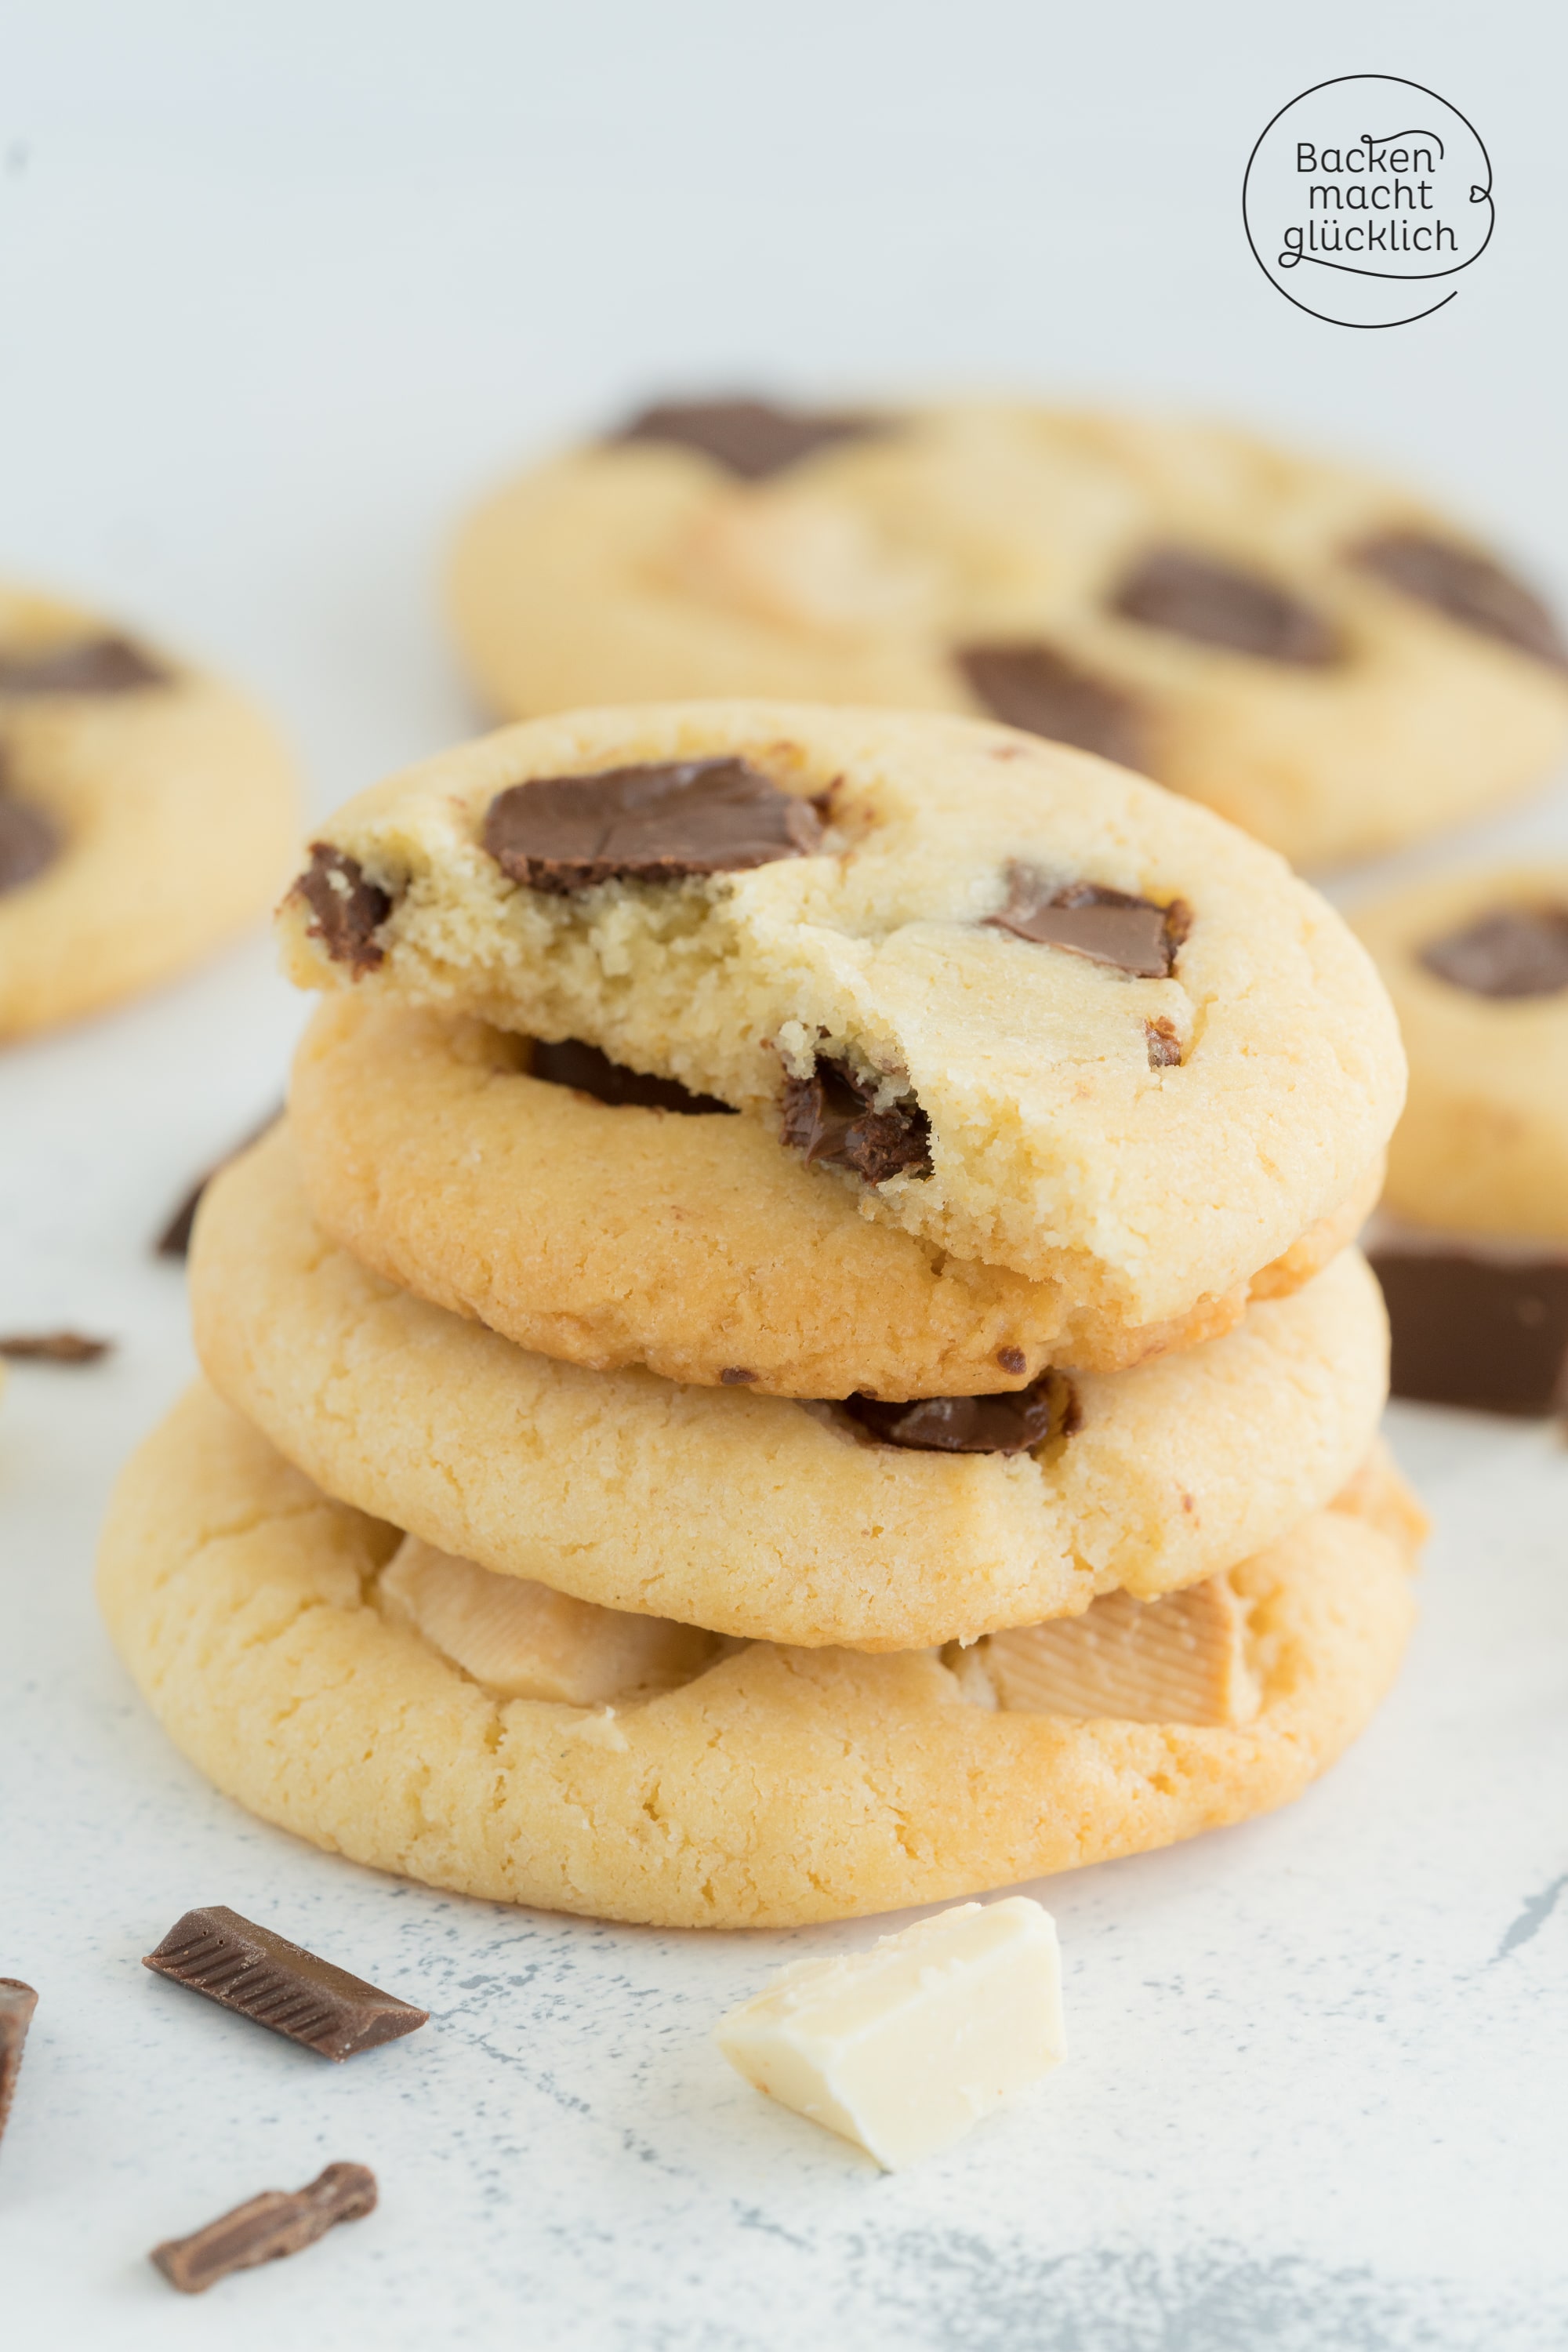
{"type": "Point", "coordinates": [735, 1376]}
{"type": "Point", "coordinates": [1010, 1422]}
{"type": "Point", "coordinates": [29, 842]}
{"type": "Point", "coordinates": [1011, 1359]}
{"type": "Point", "coordinates": [829, 1117]}
{"type": "Point", "coordinates": [1033, 686]}
{"type": "Point", "coordinates": [1466, 587]}
{"type": "Point", "coordinates": [749, 437]}
{"type": "Point", "coordinates": [654, 823]}
{"type": "Point", "coordinates": [174, 1241]}
{"type": "Point", "coordinates": [107, 665]}
{"type": "Point", "coordinates": [589, 1072]}
{"type": "Point", "coordinates": [1165, 1046]}
{"type": "Point", "coordinates": [1196, 596]}
{"type": "Point", "coordinates": [1514, 952]}
{"type": "Point", "coordinates": [53, 1347]}
{"type": "Point", "coordinates": [1112, 926]}
{"type": "Point", "coordinates": [349, 909]}
{"type": "Point", "coordinates": [1483, 1331]}
{"type": "Point", "coordinates": [279, 1984]}
{"type": "Point", "coordinates": [17, 2002]}
{"type": "Point", "coordinates": [266, 2228]}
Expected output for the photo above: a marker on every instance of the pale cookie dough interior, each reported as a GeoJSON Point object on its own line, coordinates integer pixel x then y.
{"type": "Point", "coordinates": [1483, 1145]}
{"type": "Point", "coordinates": [159, 808]}
{"type": "Point", "coordinates": [865, 571]}
{"type": "Point", "coordinates": [753, 1515]}
{"type": "Point", "coordinates": [777, 1787]}
{"type": "Point", "coordinates": [1061, 1145]}
{"type": "Point", "coordinates": [699, 1246]}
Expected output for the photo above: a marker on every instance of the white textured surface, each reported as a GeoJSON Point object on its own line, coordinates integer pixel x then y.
{"type": "Point", "coordinates": [275, 290]}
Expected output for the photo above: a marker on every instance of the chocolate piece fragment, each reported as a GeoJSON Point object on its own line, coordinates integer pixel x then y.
{"type": "Point", "coordinates": [1215, 604]}
{"type": "Point", "coordinates": [266, 2228]}
{"type": "Point", "coordinates": [1010, 1422]}
{"type": "Point", "coordinates": [349, 909]}
{"type": "Point", "coordinates": [17, 2002]}
{"type": "Point", "coordinates": [1111, 927]}
{"type": "Point", "coordinates": [735, 1376]}
{"type": "Point", "coordinates": [657, 823]}
{"type": "Point", "coordinates": [749, 437]}
{"type": "Point", "coordinates": [1515, 951]}
{"type": "Point", "coordinates": [174, 1241]}
{"type": "Point", "coordinates": [1165, 1046]}
{"type": "Point", "coordinates": [1466, 587]}
{"type": "Point", "coordinates": [1489, 1332]}
{"type": "Point", "coordinates": [589, 1072]}
{"type": "Point", "coordinates": [829, 1117]}
{"type": "Point", "coordinates": [105, 665]}
{"type": "Point", "coordinates": [53, 1347]}
{"type": "Point", "coordinates": [1033, 686]}
{"type": "Point", "coordinates": [279, 1984]}
{"type": "Point", "coordinates": [30, 841]}
{"type": "Point", "coordinates": [1011, 1359]}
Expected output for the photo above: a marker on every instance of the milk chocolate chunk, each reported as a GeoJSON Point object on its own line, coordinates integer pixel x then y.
{"type": "Point", "coordinates": [1477, 1330]}
{"type": "Point", "coordinates": [751, 438]}
{"type": "Point", "coordinates": [53, 1347]}
{"type": "Point", "coordinates": [1514, 952]}
{"type": "Point", "coordinates": [1010, 1422]}
{"type": "Point", "coordinates": [174, 1241]}
{"type": "Point", "coordinates": [654, 823]}
{"type": "Point", "coordinates": [1033, 686]}
{"type": "Point", "coordinates": [266, 2228]}
{"type": "Point", "coordinates": [1111, 927]}
{"type": "Point", "coordinates": [830, 1117]}
{"type": "Point", "coordinates": [1466, 587]}
{"type": "Point", "coordinates": [29, 842]}
{"type": "Point", "coordinates": [105, 665]}
{"type": "Point", "coordinates": [589, 1072]}
{"type": "Point", "coordinates": [1193, 596]}
{"type": "Point", "coordinates": [349, 909]}
{"type": "Point", "coordinates": [279, 1984]}
{"type": "Point", "coordinates": [17, 2002]}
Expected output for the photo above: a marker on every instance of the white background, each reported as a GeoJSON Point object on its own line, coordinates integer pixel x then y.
{"type": "Point", "coordinates": [281, 288]}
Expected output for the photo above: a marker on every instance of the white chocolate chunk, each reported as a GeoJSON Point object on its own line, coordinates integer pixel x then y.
{"type": "Point", "coordinates": [523, 1641]}
{"type": "Point", "coordinates": [1179, 1659]}
{"type": "Point", "coordinates": [901, 2049]}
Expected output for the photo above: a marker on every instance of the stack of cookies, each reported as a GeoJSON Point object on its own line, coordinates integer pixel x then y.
{"type": "Point", "coordinates": [799, 1350]}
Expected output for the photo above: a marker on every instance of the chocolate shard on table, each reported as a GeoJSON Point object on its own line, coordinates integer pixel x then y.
{"type": "Point", "coordinates": [279, 1984]}
{"type": "Point", "coordinates": [1194, 595]}
{"type": "Point", "coordinates": [174, 1241]}
{"type": "Point", "coordinates": [266, 2228]}
{"type": "Point", "coordinates": [1468, 587]}
{"type": "Point", "coordinates": [589, 1072]}
{"type": "Point", "coordinates": [656, 822]}
{"type": "Point", "coordinates": [750, 438]}
{"type": "Point", "coordinates": [105, 665]}
{"type": "Point", "coordinates": [831, 1116]}
{"type": "Point", "coordinates": [1482, 1325]}
{"type": "Point", "coordinates": [1513, 951]}
{"type": "Point", "coordinates": [1030, 685]}
{"type": "Point", "coordinates": [349, 908]}
{"type": "Point", "coordinates": [1111, 927]}
{"type": "Point", "coordinates": [53, 1347]}
{"type": "Point", "coordinates": [1011, 1421]}
{"type": "Point", "coordinates": [17, 2002]}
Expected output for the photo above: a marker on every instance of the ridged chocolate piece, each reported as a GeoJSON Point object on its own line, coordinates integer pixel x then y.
{"type": "Point", "coordinates": [750, 438]}
{"type": "Point", "coordinates": [17, 2002]}
{"type": "Point", "coordinates": [53, 1347]}
{"type": "Point", "coordinates": [1465, 586]}
{"type": "Point", "coordinates": [279, 1984]}
{"type": "Point", "coordinates": [1007, 1423]}
{"type": "Point", "coordinates": [657, 823]}
{"type": "Point", "coordinates": [174, 1241]}
{"type": "Point", "coordinates": [105, 665]}
{"type": "Point", "coordinates": [266, 2228]}
{"type": "Point", "coordinates": [1032, 686]}
{"type": "Point", "coordinates": [1133, 935]}
{"type": "Point", "coordinates": [30, 841]}
{"type": "Point", "coordinates": [1513, 951]}
{"type": "Point", "coordinates": [829, 1117]}
{"type": "Point", "coordinates": [349, 909]}
{"type": "Point", "coordinates": [1214, 604]}
{"type": "Point", "coordinates": [1489, 1332]}
{"type": "Point", "coordinates": [589, 1072]}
